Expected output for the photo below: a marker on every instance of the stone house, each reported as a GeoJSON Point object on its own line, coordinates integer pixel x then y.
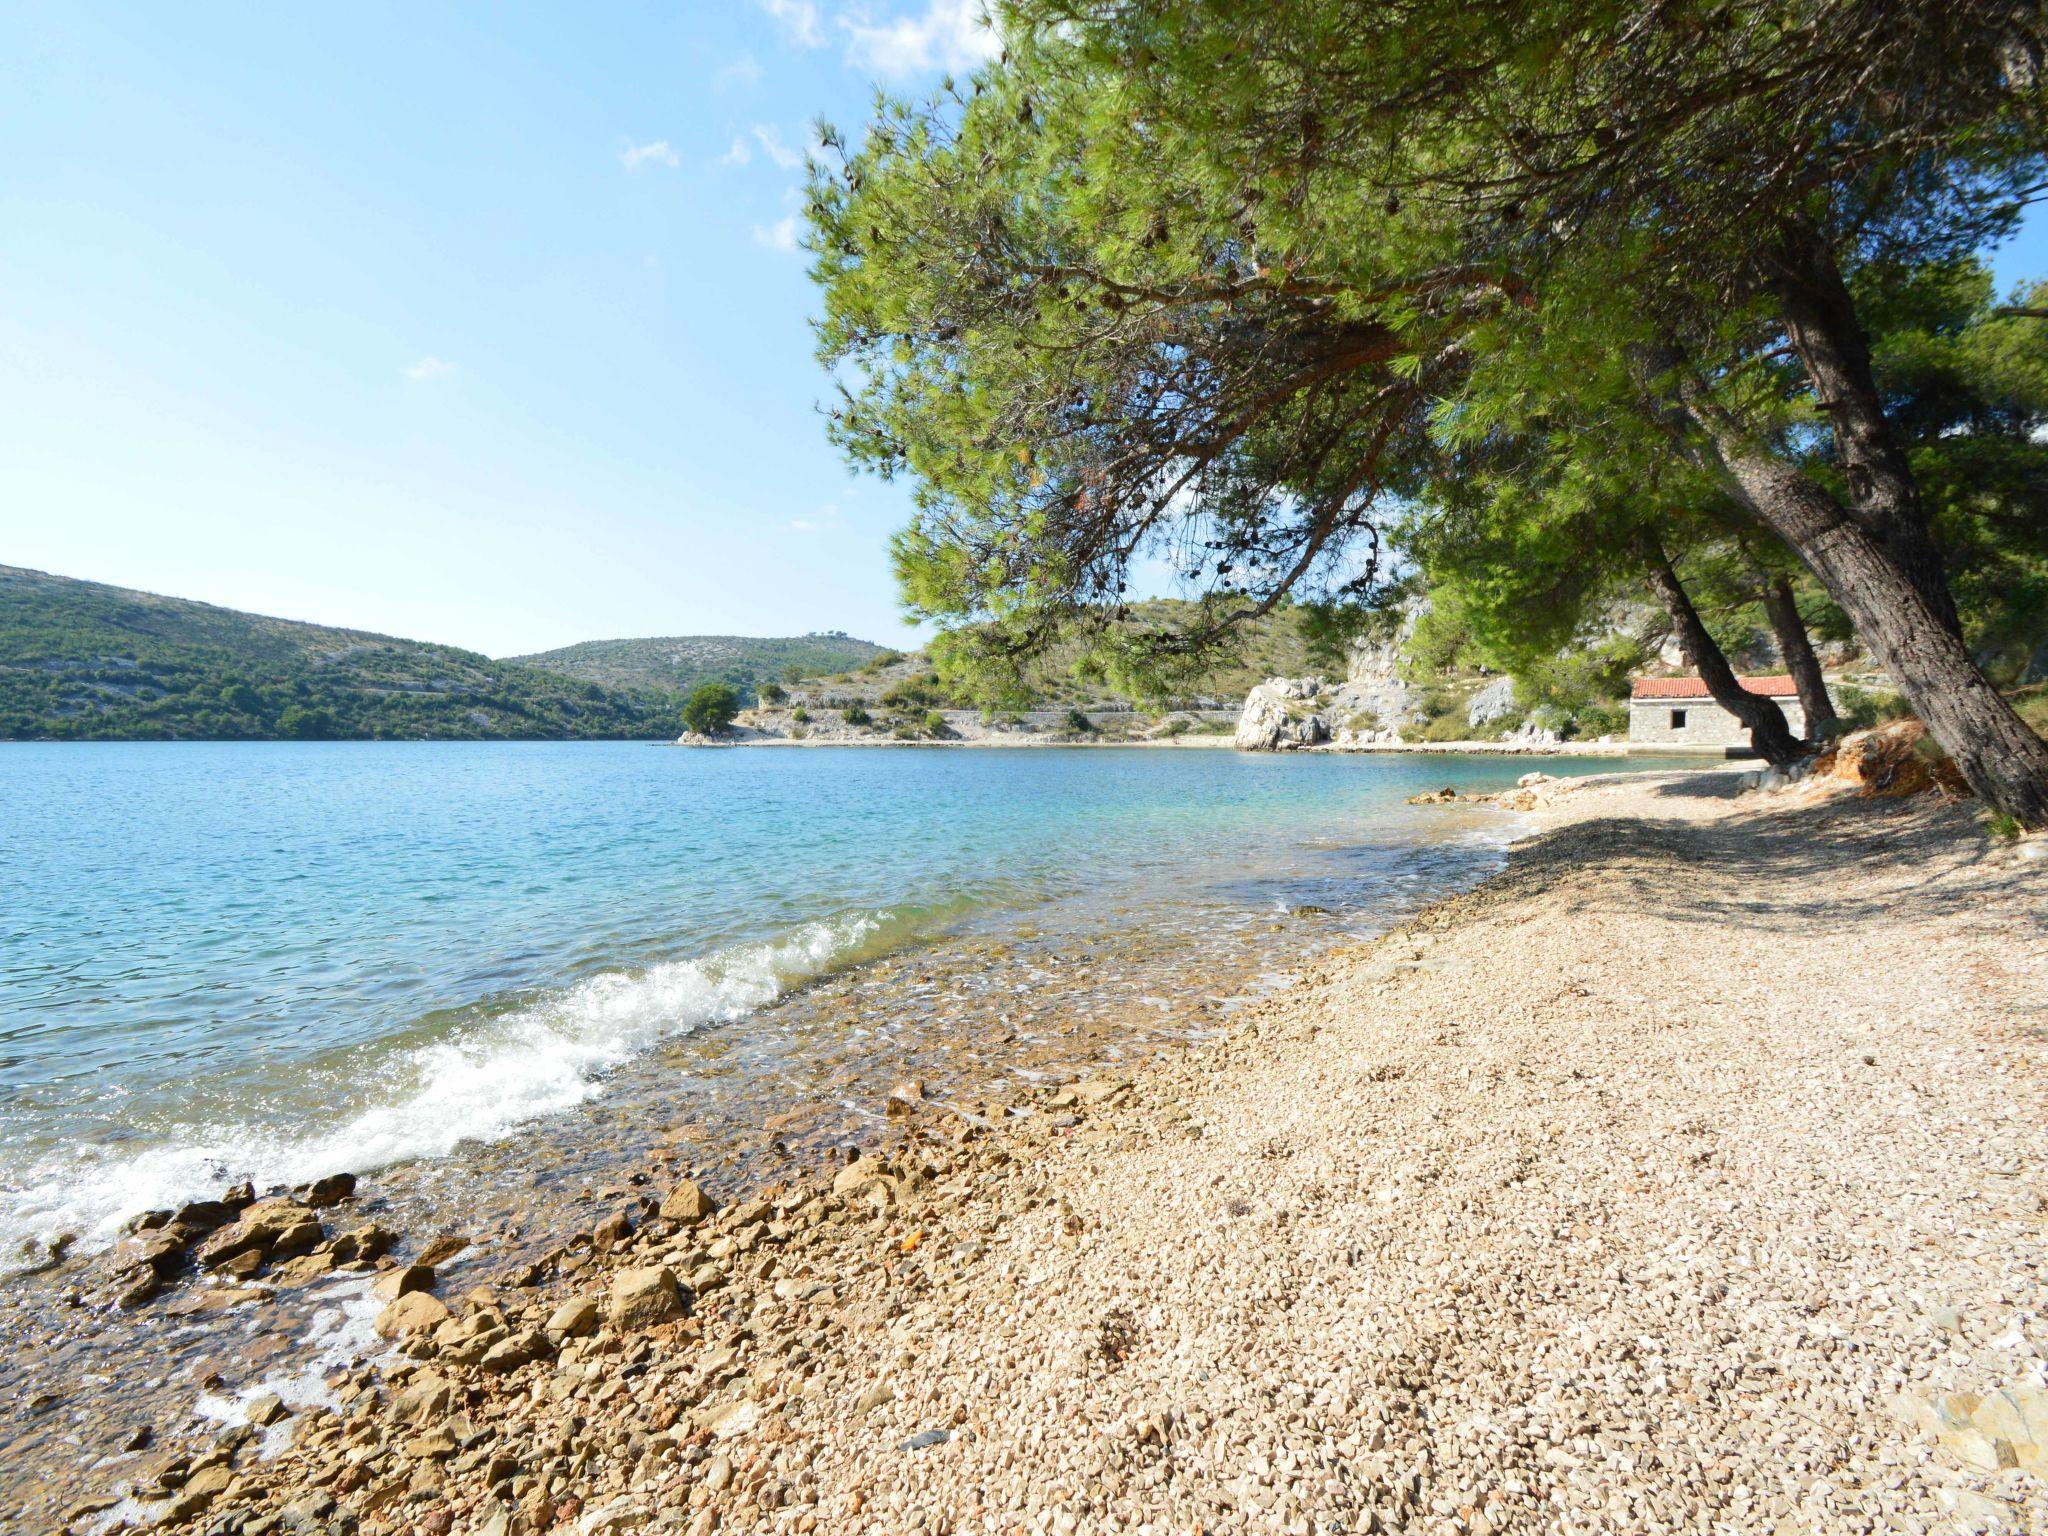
{"type": "Point", "coordinates": [1679, 713]}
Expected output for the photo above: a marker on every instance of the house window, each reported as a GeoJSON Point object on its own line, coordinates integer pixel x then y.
{"type": "Point", "coordinates": [1678, 719]}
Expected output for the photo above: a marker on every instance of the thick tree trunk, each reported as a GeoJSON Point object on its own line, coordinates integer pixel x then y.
{"type": "Point", "coordinates": [1820, 319]}
{"type": "Point", "coordinates": [1768, 733]}
{"type": "Point", "coordinates": [1797, 649]}
{"type": "Point", "coordinates": [2002, 759]}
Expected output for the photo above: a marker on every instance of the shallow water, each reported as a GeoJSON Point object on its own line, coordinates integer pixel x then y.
{"type": "Point", "coordinates": [523, 986]}
{"type": "Point", "coordinates": [277, 960]}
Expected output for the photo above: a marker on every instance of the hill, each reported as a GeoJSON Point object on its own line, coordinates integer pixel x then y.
{"type": "Point", "coordinates": [677, 663]}
{"type": "Point", "coordinates": [83, 661]}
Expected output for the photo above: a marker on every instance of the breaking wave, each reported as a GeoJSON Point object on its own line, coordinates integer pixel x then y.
{"type": "Point", "coordinates": [480, 1081]}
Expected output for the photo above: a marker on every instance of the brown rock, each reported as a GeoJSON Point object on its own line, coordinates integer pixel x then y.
{"type": "Point", "coordinates": [413, 1312]}
{"type": "Point", "coordinates": [687, 1203]}
{"type": "Point", "coordinates": [573, 1319]}
{"type": "Point", "coordinates": [403, 1281]}
{"type": "Point", "coordinates": [645, 1298]}
{"type": "Point", "coordinates": [267, 1409]}
{"type": "Point", "coordinates": [332, 1190]}
{"type": "Point", "coordinates": [443, 1248]}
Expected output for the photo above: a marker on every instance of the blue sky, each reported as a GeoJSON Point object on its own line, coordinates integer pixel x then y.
{"type": "Point", "coordinates": [473, 324]}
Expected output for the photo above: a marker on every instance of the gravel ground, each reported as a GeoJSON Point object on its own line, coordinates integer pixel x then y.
{"type": "Point", "coordinates": [1677, 1179]}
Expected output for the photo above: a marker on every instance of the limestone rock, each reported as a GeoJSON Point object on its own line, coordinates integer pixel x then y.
{"type": "Point", "coordinates": [1496, 701]}
{"type": "Point", "coordinates": [1280, 713]}
{"type": "Point", "coordinates": [645, 1298]}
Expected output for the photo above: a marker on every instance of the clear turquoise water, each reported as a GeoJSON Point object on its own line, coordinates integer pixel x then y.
{"type": "Point", "coordinates": [279, 959]}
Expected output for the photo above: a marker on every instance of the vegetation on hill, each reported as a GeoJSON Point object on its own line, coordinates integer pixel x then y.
{"type": "Point", "coordinates": [80, 661]}
{"type": "Point", "coordinates": [678, 663]}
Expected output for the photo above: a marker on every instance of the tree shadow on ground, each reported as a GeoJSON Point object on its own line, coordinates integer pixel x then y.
{"type": "Point", "coordinates": [1829, 867]}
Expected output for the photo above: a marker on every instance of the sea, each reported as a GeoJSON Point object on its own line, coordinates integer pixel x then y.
{"type": "Point", "coordinates": [282, 960]}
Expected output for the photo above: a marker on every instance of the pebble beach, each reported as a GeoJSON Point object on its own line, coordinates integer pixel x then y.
{"type": "Point", "coordinates": [1691, 1174]}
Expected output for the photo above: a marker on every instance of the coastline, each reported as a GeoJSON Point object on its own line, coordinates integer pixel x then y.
{"type": "Point", "coordinates": [747, 737]}
{"type": "Point", "coordinates": [1554, 1205]}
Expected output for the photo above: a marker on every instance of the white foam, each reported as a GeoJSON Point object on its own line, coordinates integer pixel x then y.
{"type": "Point", "coordinates": [478, 1084]}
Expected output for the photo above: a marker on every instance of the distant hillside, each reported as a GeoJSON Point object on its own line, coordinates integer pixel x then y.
{"type": "Point", "coordinates": [677, 663]}
{"type": "Point", "coordinates": [83, 661]}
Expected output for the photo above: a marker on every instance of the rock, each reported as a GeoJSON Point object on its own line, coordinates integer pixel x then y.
{"type": "Point", "coordinates": [332, 1190]}
{"type": "Point", "coordinates": [443, 1248]}
{"type": "Point", "coordinates": [688, 1204]}
{"type": "Point", "coordinates": [266, 1409]}
{"type": "Point", "coordinates": [403, 1281]}
{"type": "Point", "coordinates": [520, 1349]}
{"type": "Point", "coordinates": [1280, 714]}
{"type": "Point", "coordinates": [1102, 1090]}
{"type": "Point", "coordinates": [363, 1244]}
{"type": "Point", "coordinates": [726, 1420]}
{"type": "Point", "coordinates": [205, 1215]}
{"type": "Point", "coordinates": [144, 1286]}
{"type": "Point", "coordinates": [1531, 780]}
{"type": "Point", "coordinates": [619, 1515]}
{"type": "Point", "coordinates": [611, 1232]}
{"type": "Point", "coordinates": [575, 1318]}
{"type": "Point", "coordinates": [873, 1398]}
{"type": "Point", "coordinates": [1894, 760]}
{"type": "Point", "coordinates": [162, 1250]}
{"type": "Point", "coordinates": [413, 1312]}
{"type": "Point", "coordinates": [199, 1490]}
{"type": "Point", "coordinates": [269, 1228]}
{"type": "Point", "coordinates": [858, 1174]}
{"type": "Point", "coordinates": [1442, 796]}
{"type": "Point", "coordinates": [645, 1298]}
{"type": "Point", "coordinates": [1496, 701]}
{"type": "Point", "coordinates": [926, 1437]}
{"type": "Point", "coordinates": [429, 1395]}
{"type": "Point", "coordinates": [2007, 1429]}
{"type": "Point", "coordinates": [434, 1445]}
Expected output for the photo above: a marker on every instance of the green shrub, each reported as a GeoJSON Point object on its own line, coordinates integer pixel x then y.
{"type": "Point", "coordinates": [2003, 827]}
{"type": "Point", "coordinates": [773, 693]}
{"type": "Point", "coordinates": [710, 707]}
{"type": "Point", "coordinates": [1607, 717]}
{"type": "Point", "coordinates": [1447, 727]}
{"type": "Point", "coordinates": [1863, 708]}
{"type": "Point", "coordinates": [934, 723]}
{"type": "Point", "coordinates": [1078, 723]}
{"type": "Point", "coordinates": [800, 715]}
{"type": "Point", "coordinates": [854, 714]}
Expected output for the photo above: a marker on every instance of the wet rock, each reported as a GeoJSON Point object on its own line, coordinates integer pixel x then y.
{"type": "Point", "coordinates": [1102, 1090]}
{"type": "Point", "coordinates": [687, 1203]}
{"type": "Point", "coordinates": [443, 1248]}
{"type": "Point", "coordinates": [145, 1285]}
{"type": "Point", "coordinates": [610, 1232]}
{"type": "Point", "coordinates": [404, 1280]}
{"type": "Point", "coordinates": [161, 1250]}
{"type": "Point", "coordinates": [198, 1492]}
{"type": "Point", "coordinates": [332, 1190]}
{"type": "Point", "coordinates": [413, 1312]}
{"type": "Point", "coordinates": [205, 1215]}
{"type": "Point", "coordinates": [1442, 796]}
{"type": "Point", "coordinates": [267, 1409]}
{"type": "Point", "coordinates": [268, 1228]}
{"type": "Point", "coordinates": [645, 1298]}
{"type": "Point", "coordinates": [363, 1244]}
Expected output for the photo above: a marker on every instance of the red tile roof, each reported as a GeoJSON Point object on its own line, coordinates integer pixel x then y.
{"type": "Point", "coordinates": [1693, 688]}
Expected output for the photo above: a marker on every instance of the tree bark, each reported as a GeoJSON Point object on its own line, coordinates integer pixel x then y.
{"type": "Point", "coordinates": [1820, 320]}
{"type": "Point", "coordinates": [1999, 755]}
{"type": "Point", "coordinates": [1797, 649]}
{"type": "Point", "coordinates": [1769, 733]}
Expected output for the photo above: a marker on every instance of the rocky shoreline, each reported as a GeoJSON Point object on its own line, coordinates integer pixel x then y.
{"type": "Point", "coordinates": [1473, 1230]}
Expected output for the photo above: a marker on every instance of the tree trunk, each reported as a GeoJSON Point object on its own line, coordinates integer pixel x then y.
{"type": "Point", "coordinates": [1768, 733]}
{"type": "Point", "coordinates": [1998, 754]}
{"type": "Point", "coordinates": [1797, 649]}
{"type": "Point", "coordinates": [1820, 319]}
